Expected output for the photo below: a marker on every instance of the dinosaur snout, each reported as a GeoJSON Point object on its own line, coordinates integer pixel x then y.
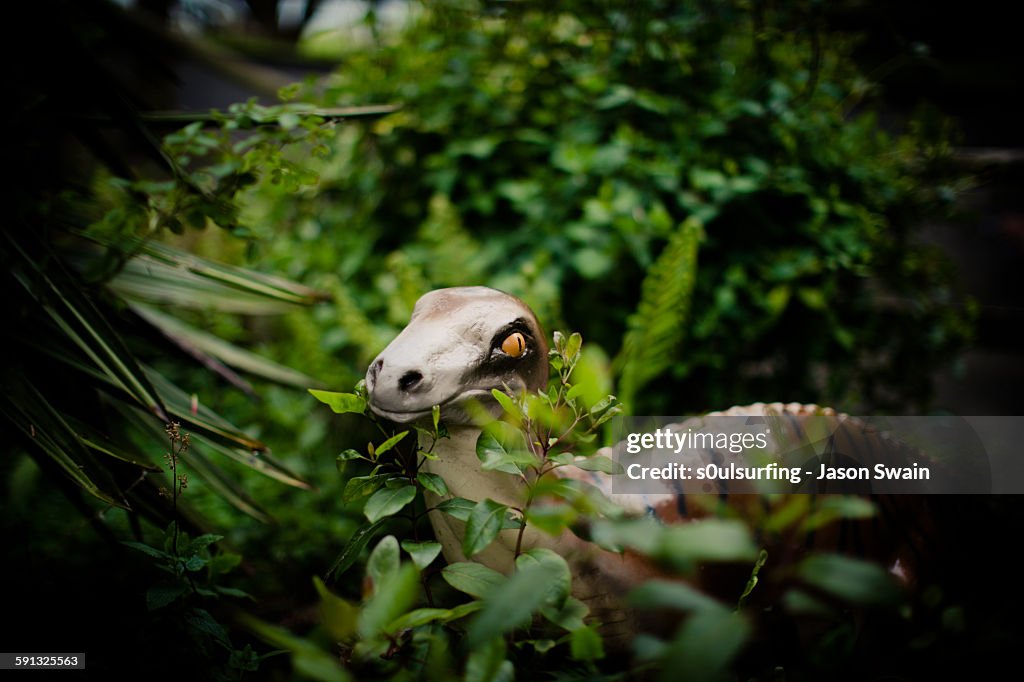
{"type": "Point", "coordinates": [386, 381]}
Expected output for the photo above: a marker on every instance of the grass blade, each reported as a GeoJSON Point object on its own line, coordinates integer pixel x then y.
{"type": "Point", "coordinates": [241, 279]}
{"type": "Point", "coordinates": [76, 316]}
{"type": "Point", "coordinates": [204, 424]}
{"type": "Point", "coordinates": [32, 414]}
{"type": "Point", "coordinates": [191, 338]}
{"type": "Point", "coordinates": [194, 459]}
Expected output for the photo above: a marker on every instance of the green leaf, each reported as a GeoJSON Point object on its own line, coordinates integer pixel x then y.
{"type": "Point", "coordinates": [608, 414]}
{"type": "Point", "coordinates": [472, 578]}
{"type": "Point", "coordinates": [812, 298]}
{"type": "Point", "coordinates": [663, 594]}
{"type": "Point", "coordinates": [159, 597]}
{"type": "Point", "coordinates": [423, 616]}
{"type": "Point", "coordinates": [308, 658]}
{"type": "Point", "coordinates": [146, 549]}
{"type": "Point", "coordinates": [389, 443]}
{"type": "Point", "coordinates": [458, 508]}
{"type": "Point", "coordinates": [558, 580]}
{"type": "Point", "coordinates": [512, 520]}
{"type": "Point", "coordinates": [642, 534]}
{"type": "Point", "coordinates": [487, 663]}
{"type": "Point", "coordinates": [354, 547]}
{"type": "Point", "coordinates": [541, 646]}
{"type": "Point", "coordinates": [336, 614]}
{"type": "Point", "coordinates": [575, 392]}
{"type": "Point", "coordinates": [202, 621]}
{"type": "Point", "coordinates": [422, 553]}
{"type": "Point", "coordinates": [416, 618]}
{"type": "Point", "coordinates": [552, 519]}
{"type": "Point", "coordinates": [433, 483]}
{"type": "Point", "coordinates": [585, 644]}
{"type": "Point", "coordinates": [483, 525]}
{"type": "Point", "coordinates": [852, 580]}
{"type": "Point", "coordinates": [361, 486]}
{"type": "Point", "coordinates": [833, 508]}
{"type": "Point", "coordinates": [572, 347]}
{"type": "Point", "coordinates": [569, 616]}
{"type": "Point", "coordinates": [349, 454]}
{"type": "Point", "coordinates": [463, 610]}
{"type": "Point", "coordinates": [233, 592]}
{"type": "Point", "coordinates": [799, 602]}
{"type": "Point", "coordinates": [598, 463]}
{"type": "Point", "coordinates": [656, 330]}
{"type": "Point", "coordinates": [393, 597]}
{"type": "Point", "coordinates": [384, 560]}
{"type": "Point", "coordinates": [164, 274]}
{"type": "Point", "coordinates": [562, 458]}
{"type": "Point", "coordinates": [80, 321]}
{"type": "Point", "coordinates": [388, 501]}
{"type": "Point", "coordinates": [501, 447]}
{"type": "Point", "coordinates": [346, 456]}
{"type": "Point", "coordinates": [340, 403]}
{"type": "Point", "coordinates": [202, 542]}
{"type": "Point", "coordinates": [705, 646]}
{"type": "Point", "coordinates": [511, 604]}
{"type": "Point", "coordinates": [195, 341]}
{"type": "Point", "coordinates": [43, 425]}
{"type": "Point", "coordinates": [509, 405]}
{"type": "Point", "coordinates": [688, 544]}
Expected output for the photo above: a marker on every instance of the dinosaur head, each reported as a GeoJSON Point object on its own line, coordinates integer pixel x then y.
{"type": "Point", "coordinates": [459, 344]}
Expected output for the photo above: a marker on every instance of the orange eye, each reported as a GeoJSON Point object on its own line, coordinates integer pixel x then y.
{"type": "Point", "coordinates": [514, 344]}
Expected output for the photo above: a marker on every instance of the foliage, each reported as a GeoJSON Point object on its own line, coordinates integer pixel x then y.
{"type": "Point", "coordinates": [529, 620]}
{"type": "Point", "coordinates": [659, 323]}
{"type": "Point", "coordinates": [584, 158]}
{"type": "Point", "coordinates": [85, 275]}
{"type": "Point", "coordinates": [103, 352]}
{"type": "Point", "coordinates": [559, 153]}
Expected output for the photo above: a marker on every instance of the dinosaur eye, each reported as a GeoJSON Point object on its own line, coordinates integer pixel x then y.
{"type": "Point", "coordinates": [514, 344]}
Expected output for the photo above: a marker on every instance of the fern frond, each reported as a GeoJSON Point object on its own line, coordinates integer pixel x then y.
{"type": "Point", "coordinates": [657, 328]}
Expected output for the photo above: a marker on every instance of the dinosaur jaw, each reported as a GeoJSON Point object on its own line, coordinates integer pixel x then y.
{"type": "Point", "coordinates": [454, 410]}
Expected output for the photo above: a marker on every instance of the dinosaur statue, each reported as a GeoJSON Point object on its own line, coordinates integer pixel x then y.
{"type": "Point", "coordinates": [463, 342]}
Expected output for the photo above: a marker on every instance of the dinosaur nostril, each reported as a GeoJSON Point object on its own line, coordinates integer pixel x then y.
{"type": "Point", "coordinates": [371, 375]}
{"type": "Point", "coordinates": [410, 380]}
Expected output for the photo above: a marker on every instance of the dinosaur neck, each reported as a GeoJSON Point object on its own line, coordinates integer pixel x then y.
{"type": "Point", "coordinates": [599, 578]}
{"type": "Point", "coordinates": [459, 466]}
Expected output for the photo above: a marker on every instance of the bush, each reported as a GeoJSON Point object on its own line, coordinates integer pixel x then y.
{"type": "Point", "coordinates": [556, 154]}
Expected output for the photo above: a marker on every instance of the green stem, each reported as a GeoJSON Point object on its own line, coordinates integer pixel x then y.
{"type": "Point", "coordinates": [174, 497]}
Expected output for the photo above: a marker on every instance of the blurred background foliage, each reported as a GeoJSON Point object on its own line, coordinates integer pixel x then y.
{"type": "Point", "coordinates": [715, 195]}
{"type": "Point", "coordinates": [555, 154]}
